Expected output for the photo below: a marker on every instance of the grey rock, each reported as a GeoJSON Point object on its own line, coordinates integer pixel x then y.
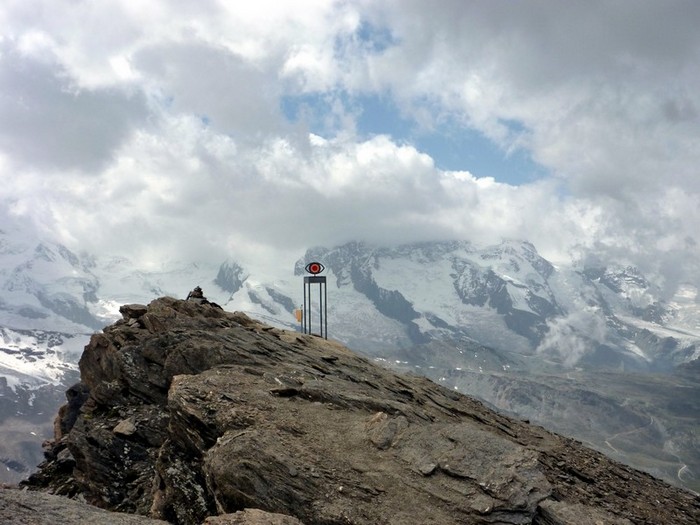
{"type": "Point", "coordinates": [126, 427]}
{"type": "Point", "coordinates": [21, 507]}
{"type": "Point", "coordinates": [552, 512]}
{"type": "Point", "coordinates": [252, 517]}
{"type": "Point", "coordinates": [132, 311]}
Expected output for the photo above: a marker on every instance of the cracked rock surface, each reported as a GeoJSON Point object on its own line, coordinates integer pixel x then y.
{"type": "Point", "coordinates": [196, 415]}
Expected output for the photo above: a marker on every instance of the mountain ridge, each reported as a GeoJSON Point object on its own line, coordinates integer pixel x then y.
{"type": "Point", "coordinates": [501, 310]}
{"type": "Point", "coordinates": [192, 411]}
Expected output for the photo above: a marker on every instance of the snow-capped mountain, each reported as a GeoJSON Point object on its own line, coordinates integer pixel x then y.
{"type": "Point", "coordinates": [505, 297]}
{"type": "Point", "coordinates": [451, 310]}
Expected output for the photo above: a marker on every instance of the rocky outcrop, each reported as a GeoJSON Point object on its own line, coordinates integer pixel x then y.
{"type": "Point", "coordinates": [195, 414]}
{"type": "Point", "coordinates": [19, 507]}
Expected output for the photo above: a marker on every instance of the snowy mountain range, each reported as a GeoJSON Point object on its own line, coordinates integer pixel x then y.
{"type": "Point", "coordinates": [505, 297]}
{"type": "Point", "coordinates": [501, 316]}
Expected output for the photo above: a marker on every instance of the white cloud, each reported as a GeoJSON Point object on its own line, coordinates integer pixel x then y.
{"type": "Point", "coordinates": [157, 128]}
{"type": "Point", "coordinates": [573, 337]}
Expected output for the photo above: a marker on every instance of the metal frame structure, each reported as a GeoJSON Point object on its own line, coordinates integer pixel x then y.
{"type": "Point", "coordinates": [310, 280]}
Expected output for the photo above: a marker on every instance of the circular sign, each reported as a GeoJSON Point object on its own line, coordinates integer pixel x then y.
{"type": "Point", "coordinates": [314, 267]}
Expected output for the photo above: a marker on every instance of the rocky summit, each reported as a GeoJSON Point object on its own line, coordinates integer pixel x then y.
{"type": "Point", "coordinates": [189, 414]}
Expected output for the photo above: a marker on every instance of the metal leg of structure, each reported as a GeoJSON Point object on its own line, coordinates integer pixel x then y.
{"type": "Point", "coordinates": [307, 321]}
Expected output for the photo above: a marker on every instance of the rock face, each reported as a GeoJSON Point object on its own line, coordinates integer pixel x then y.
{"type": "Point", "coordinates": [19, 507]}
{"type": "Point", "coordinates": [195, 414]}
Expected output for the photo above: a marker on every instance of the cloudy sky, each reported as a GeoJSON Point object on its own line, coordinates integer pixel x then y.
{"type": "Point", "coordinates": [183, 129]}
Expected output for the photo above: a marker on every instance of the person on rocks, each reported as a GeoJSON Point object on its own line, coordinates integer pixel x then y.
{"type": "Point", "coordinates": [197, 296]}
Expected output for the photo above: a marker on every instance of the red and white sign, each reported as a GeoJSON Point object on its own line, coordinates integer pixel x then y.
{"type": "Point", "coordinates": [314, 267]}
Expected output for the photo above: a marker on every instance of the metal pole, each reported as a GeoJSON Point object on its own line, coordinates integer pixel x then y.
{"type": "Point", "coordinates": [325, 307]}
{"type": "Point", "coordinates": [307, 314]}
{"type": "Point", "coordinates": [303, 312]}
{"type": "Point", "coordinates": [308, 310]}
{"type": "Point", "coordinates": [304, 315]}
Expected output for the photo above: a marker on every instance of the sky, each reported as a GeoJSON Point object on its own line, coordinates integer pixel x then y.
{"type": "Point", "coordinates": [177, 129]}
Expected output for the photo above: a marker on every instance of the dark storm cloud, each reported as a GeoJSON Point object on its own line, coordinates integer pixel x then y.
{"type": "Point", "coordinates": [48, 122]}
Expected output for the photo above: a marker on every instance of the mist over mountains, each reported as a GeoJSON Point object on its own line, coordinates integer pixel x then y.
{"type": "Point", "coordinates": [595, 352]}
